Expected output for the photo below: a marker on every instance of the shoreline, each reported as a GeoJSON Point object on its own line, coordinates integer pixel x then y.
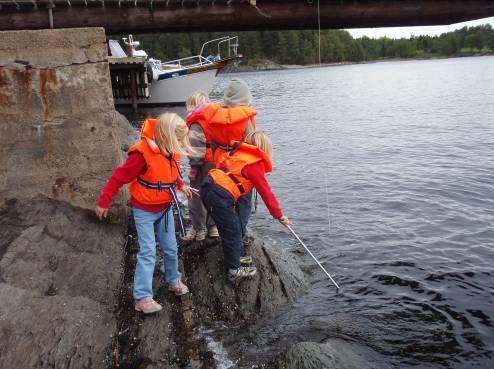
{"type": "Point", "coordinates": [271, 66]}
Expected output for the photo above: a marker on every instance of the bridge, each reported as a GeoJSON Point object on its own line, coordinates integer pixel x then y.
{"type": "Point", "coordinates": [122, 16]}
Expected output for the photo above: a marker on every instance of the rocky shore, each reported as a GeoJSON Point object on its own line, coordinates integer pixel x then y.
{"type": "Point", "coordinates": [66, 299]}
{"type": "Point", "coordinates": [65, 277]}
{"type": "Point", "coordinates": [268, 65]}
{"type": "Point", "coordinates": [59, 274]}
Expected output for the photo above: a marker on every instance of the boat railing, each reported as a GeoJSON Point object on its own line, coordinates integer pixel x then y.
{"type": "Point", "coordinates": [188, 62]}
{"type": "Point", "coordinates": [218, 40]}
{"type": "Point", "coordinates": [198, 60]}
{"type": "Point", "coordinates": [232, 45]}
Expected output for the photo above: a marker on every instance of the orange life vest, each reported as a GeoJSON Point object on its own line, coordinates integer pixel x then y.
{"type": "Point", "coordinates": [228, 172]}
{"type": "Point", "coordinates": [225, 125]}
{"type": "Point", "coordinates": [157, 184]}
{"type": "Point", "coordinates": [196, 116]}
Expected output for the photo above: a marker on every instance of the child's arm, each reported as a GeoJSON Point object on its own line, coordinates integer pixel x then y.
{"type": "Point", "coordinates": [126, 173]}
{"type": "Point", "coordinates": [255, 173]}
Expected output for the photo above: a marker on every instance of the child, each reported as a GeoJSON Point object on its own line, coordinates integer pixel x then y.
{"type": "Point", "coordinates": [231, 121]}
{"type": "Point", "coordinates": [240, 170]}
{"type": "Point", "coordinates": [201, 161]}
{"type": "Point", "coordinates": [152, 169]}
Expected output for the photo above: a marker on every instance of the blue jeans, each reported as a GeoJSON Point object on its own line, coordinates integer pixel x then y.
{"type": "Point", "coordinates": [229, 218]}
{"type": "Point", "coordinates": [145, 222]}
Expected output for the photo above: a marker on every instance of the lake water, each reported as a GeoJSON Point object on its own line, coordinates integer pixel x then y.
{"type": "Point", "coordinates": [387, 172]}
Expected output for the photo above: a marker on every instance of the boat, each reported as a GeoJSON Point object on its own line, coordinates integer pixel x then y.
{"type": "Point", "coordinates": [169, 82]}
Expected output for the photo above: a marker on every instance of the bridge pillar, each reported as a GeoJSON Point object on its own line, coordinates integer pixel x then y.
{"type": "Point", "coordinates": [59, 135]}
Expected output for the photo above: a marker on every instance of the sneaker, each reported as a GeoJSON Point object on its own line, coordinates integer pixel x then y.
{"type": "Point", "coordinates": [213, 232]}
{"type": "Point", "coordinates": [147, 305]}
{"type": "Point", "coordinates": [245, 241]}
{"type": "Point", "coordinates": [242, 272]}
{"type": "Point", "coordinates": [201, 235]}
{"type": "Point", "coordinates": [246, 260]}
{"type": "Point", "coordinates": [191, 235]}
{"type": "Point", "coordinates": [178, 288]}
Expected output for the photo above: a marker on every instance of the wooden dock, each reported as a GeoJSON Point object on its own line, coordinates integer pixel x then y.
{"type": "Point", "coordinates": [129, 79]}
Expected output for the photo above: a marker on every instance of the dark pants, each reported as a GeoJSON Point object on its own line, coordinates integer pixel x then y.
{"type": "Point", "coordinates": [244, 208]}
{"type": "Point", "coordinates": [230, 219]}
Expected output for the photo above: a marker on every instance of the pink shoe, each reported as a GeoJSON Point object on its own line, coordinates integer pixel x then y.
{"type": "Point", "coordinates": [178, 288]}
{"type": "Point", "coordinates": [147, 305]}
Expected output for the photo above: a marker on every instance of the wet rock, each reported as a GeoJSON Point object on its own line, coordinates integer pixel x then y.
{"type": "Point", "coordinates": [157, 341]}
{"type": "Point", "coordinates": [277, 283]}
{"type": "Point", "coordinates": [333, 354]}
{"type": "Point", "coordinates": [156, 337]}
{"type": "Point", "coordinates": [59, 271]}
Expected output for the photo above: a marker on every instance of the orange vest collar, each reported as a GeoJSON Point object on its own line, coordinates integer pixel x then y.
{"type": "Point", "coordinates": [216, 114]}
{"type": "Point", "coordinates": [147, 133]}
{"type": "Point", "coordinates": [254, 150]}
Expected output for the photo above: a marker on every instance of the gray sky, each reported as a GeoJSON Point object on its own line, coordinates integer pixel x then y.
{"type": "Point", "coordinates": [398, 32]}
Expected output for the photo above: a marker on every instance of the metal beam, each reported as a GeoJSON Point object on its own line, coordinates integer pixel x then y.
{"type": "Point", "coordinates": [237, 15]}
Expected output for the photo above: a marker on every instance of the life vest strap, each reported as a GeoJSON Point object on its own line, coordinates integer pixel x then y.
{"type": "Point", "coordinates": [229, 148]}
{"type": "Point", "coordinates": [224, 147]}
{"type": "Point", "coordinates": [159, 186]}
{"type": "Point", "coordinates": [233, 148]}
{"type": "Point", "coordinates": [234, 179]}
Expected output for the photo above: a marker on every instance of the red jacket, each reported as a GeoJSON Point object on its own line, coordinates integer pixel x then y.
{"type": "Point", "coordinates": [127, 173]}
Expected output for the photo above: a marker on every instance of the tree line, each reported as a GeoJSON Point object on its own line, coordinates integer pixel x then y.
{"type": "Point", "coordinates": [302, 47]}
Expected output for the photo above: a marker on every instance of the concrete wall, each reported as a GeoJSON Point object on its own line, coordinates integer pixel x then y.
{"type": "Point", "coordinates": [59, 135]}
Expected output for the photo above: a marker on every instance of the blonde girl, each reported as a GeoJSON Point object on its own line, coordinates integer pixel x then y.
{"type": "Point", "coordinates": [236, 174]}
{"type": "Point", "coordinates": [153, 171]}
{"type": "Point", "coordinates": [201, 162]}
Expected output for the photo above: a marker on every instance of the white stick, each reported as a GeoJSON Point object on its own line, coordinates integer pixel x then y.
{"type": "Point", "coordinates": [313, 257]}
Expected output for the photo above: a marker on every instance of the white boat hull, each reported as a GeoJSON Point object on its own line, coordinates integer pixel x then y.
{"type": "Point", "coordinates": [175, 90]}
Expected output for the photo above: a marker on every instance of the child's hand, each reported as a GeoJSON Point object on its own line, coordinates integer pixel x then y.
{"type": "Point", "coordinates": [284, 220]}
{"type": "Point", "coordinates": [101, 212]}
{"type": "Point", "coordinates": [186, 190]}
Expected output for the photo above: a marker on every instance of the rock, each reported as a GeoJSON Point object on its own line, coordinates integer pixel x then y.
{"type": "Point", "coordinates": [59, 270]}
{"type": "Point", "coordinates": [333, 354]}
{"type": "Point", "coordinates": [157, 337]}
{"type": "Point", "coordinates": [262, 64]}
{"type": "Point", "coordinates": [53, 331]}
{"type": "Point", "coordinates": [278, 282]}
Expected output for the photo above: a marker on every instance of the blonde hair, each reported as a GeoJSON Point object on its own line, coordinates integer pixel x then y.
{"type": "Point", "coordinates": [196, 99]}
{"type": "Point", "coordinates": [170, 133]}
{"type": "Point", "coordinates": [261, 140]}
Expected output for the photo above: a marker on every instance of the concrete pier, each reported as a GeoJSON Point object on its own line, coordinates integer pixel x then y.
{"type": "Point", "coordinates": [57, 118]}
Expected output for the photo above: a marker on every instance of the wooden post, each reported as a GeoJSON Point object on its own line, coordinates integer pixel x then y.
{"type": "Point", "coordinates": [133, 90]}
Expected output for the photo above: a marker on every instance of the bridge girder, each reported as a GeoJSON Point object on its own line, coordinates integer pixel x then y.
{"type": "Point", "coordinates": [235, 15]}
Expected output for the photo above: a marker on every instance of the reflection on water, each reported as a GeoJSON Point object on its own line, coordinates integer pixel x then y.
{"type": "Point", "coordinates": [404, 152]}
